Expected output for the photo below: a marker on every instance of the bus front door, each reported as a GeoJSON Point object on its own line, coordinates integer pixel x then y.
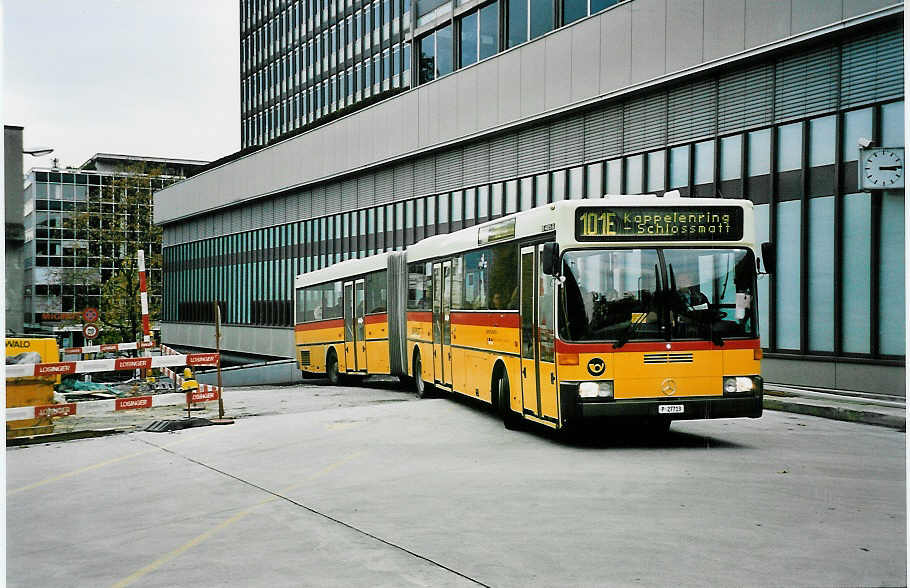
{"type": "Point", "coordinates": [437, 322]}
{"type": "Point", "coordinates": [360, 344]}
{"type": "Point", "coordinates": [447, 323]}
{"type": "Point", "coordinates": [529, 390]}
{"type": "Point", "coordinates": [538, 361]}
{"type": "Point", "coordinates": [350, 343]}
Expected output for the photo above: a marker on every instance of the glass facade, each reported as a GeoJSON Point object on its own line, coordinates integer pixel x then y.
{"type": "Point", "coordinates": [302, 60]}
{"type": "Point", "coordinates": [838, 290]}
{"type": "Point", "coordinates": [64, 270]}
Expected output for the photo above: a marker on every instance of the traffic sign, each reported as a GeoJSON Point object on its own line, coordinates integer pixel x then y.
{"type": "Point", "coordinates": [90, 331]}
{"type": "Point", "coordinates": [90, 315]}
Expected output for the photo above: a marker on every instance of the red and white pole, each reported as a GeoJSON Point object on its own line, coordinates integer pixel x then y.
{"type": "Point", "coordinates": [144, 303]}
{"type": "Point", "coordinates": [144, 299]}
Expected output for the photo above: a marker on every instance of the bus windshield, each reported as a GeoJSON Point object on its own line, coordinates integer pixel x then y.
{"type": "Point", "coordinates": [657, 294]}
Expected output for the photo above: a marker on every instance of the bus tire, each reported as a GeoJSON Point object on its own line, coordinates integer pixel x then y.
{"type": "Point", "coordinates": [510, 419]}
{"type": "Point", "coordinates": [421, 388]}
{"type": "Point", "coordinates": [331, 368]}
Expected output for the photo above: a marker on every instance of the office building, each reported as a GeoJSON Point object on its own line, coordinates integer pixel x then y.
{"type": "Point", "coordinates": [62, 274]}
{"type": "Point", "coordinates": [754, 99]}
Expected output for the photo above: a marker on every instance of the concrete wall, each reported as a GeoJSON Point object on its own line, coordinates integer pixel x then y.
{"type": "Point", "coordinates": [279, 372]}
{"type": "Point", "coordinates": [14, 197]}
{"type": "Point", "coordinates": [836, 375]}
{"type": "Point", "coordinates": [631, 45]}
{"type": "Point", "coordinates": [265, 341]}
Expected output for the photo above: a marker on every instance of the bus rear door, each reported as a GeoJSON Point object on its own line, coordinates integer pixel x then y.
{"type": "Point", "coordinates": [442, 322]}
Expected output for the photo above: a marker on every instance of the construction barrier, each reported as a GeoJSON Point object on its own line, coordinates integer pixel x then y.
{"type": "Point", "coordinates": [108, 365]}
{"type": "Point", "coordinates": [93, 407]}
{"type": "Point", "coordinates": [108, 348]}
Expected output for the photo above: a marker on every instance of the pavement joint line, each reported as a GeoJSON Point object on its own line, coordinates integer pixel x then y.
{"type": "Point", "coordinates": [70, 474]}
{"type": "Point", "coordinates": [276, 495]}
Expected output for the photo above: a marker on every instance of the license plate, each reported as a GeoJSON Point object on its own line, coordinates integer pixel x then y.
{"type": "Point", "coordinates": [670, 409]}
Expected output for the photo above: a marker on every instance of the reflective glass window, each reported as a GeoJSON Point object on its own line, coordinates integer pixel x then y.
{"type": "Point", "coordinates": [483, 201]}
{"type": "Point", "coordinates": [527, 193]}
{"type": "Point", "coordinates": [821, 275]}
{"type": "Point", "coordinates": [559, 185]}
{"type": "Point", "coordinates": [891, 293]}
{"type": "Point", "coordinates": [576, 186]}
{"type": "Point", "coordinates": [595, 180]}
{"type": "Point", "coordinates": [857, 124]}
{"type": "Point", "coordinates": [489, 30]}
{"type": "Point", "coordinates": [787, 275]}
{"type": "Point", "coordinates": [893, 124]}
{"type": "Point", "coordinates": [468, 39]}
{"type": "Point", "coordinates": [541, 17]}
{"type": "Point", "coordinates": [679, 167]}
{"type": "Point", "coordinates": [573, 10]}
{"type": "Point", "coordinates": [614, 176]}
{"type": "Point", "coordinates": [427, 69]}
{"type": "Point", "coordinates": [633, 174]}
{"type": "Point", "coordinates": [731, 157]}
{"type": "Point", "coordinates": [789, 147]}
{"type": "Point", "coordinates": [760, 152]}
{"type": "Point", "coordinates": [511, 196]}
{"type": "Point", "coordinates": [855, 295]}
{"type": "Point", "coordinates": [457, 201]}
{"type": "Point", "coordinates": [496, 200]}
{"type": "Point", "coordinates": [470, 201]}
{"type": "Point", "coordinates": [419, 211]}
{"type": "Point", "coordinates": [518, 22]}
{"type": "Point", "coordinates": [444, 51]}
{"type": "Point", "coordinates": [656, 161]}
{"type": "Point", "coordinates": [541, 189]}
{"type": "Point", "coordinates": [704, 162]}
{"type": "Point", "coordinates": [598, 5]}
{"type": "Point", "coordinates": [822, 141]}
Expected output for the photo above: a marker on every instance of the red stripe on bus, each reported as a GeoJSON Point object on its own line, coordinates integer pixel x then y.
{"type": "Point", "coordinates": [326, 324]}
{"type": "Point", "coordinates": [420, 316]}
{"type": "Point", "coordinates": [372, 319]}
{"type": "Point", "coordinates": [487, 319]}
{"type": "Point", "coordinates": [563, 347]}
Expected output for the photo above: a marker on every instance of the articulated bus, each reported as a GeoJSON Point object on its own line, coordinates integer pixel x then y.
{"type": "Point", "coordinates": [625, 306]}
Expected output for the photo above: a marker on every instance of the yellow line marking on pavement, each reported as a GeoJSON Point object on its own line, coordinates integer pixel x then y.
{"type": "Point", "coordinates": [96, 466]}
{"type": "Point", "coordinates": [224, 524]}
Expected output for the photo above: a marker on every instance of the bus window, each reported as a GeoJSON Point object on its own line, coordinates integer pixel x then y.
{"type": "Point", "coordinates": [476, 272]}
{"type": "Point", "coordinates": [420, 290]}
{"type": "Point", "coordinates": [457, 283]}
{"type": "Point", "coordinates": [331, 300]}
{"type": "Point", "coordinates": [504, 277]}
{"type": "Point", "coordinates": [300, 305]}
{"type": "Point", "coordinates": [313, 303]}
{"type": "Point", "coordinates": [377, 287]}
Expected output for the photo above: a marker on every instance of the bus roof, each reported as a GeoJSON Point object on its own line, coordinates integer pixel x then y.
{"type": "Point", "coordinates": [543, 219]}
{"type": "Point", "coordinates": [343, 269]}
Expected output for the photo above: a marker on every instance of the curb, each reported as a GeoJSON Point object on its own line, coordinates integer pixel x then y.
{"type": "Point", "coordinates": [68, 436]}
{"type": "Point", "coordinates": [839, 413]}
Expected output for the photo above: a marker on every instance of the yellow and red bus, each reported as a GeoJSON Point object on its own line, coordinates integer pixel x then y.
{"type": "Point", "coordinates": [625, 306]}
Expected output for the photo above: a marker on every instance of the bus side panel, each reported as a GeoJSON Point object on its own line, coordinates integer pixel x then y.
{"type": "Point", "coordinates": [485, 336]}
{"type": "Point", "coordinates": [459, 362]}
{"type": "Point", "coordinates": [419, 330]}
{"type": "Point", "coordinates": [315, 337]}
{"type": "Point", "coordinates": [376, 332]}
{"type": "Point", "coordinates": [378, 356]}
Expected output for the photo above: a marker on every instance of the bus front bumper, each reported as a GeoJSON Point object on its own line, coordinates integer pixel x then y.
{"type": "Point", "coordinates": [715, 407]}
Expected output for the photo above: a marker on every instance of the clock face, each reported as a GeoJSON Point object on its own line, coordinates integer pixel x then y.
{"type": "Point", "coordinates": [881, 168]}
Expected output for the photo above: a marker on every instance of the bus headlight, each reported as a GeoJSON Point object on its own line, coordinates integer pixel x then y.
{"type": "Point", "coordinates": [602, 389]}
{"type": "Point", "coordinates": [741, 384]}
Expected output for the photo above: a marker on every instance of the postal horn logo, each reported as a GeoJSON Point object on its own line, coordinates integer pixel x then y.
{"type": "Point", "coordinates": [668, 387]}
{"type": "Point", "coordinates": [596, 366]}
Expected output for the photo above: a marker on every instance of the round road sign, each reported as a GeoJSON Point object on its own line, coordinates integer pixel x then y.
{"type": "Point", "coordinates": [90, 315]}
{"type": "Point", "coordinates": [90, 331]}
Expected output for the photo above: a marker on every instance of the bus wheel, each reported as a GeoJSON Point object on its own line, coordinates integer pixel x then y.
{"type": "Point", "coordinates": [331, 369]}
{"type": "Point", "coordinates": [420, 387]}
{"type": "Point", "coordinates": [509, 418]}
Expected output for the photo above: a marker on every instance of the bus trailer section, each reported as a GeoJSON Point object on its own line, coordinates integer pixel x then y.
{"type": "Point", "coordinates": [626, 306]}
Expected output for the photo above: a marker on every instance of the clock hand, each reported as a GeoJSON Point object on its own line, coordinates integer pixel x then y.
{"type": "Point", "coordinates": [889, 167]}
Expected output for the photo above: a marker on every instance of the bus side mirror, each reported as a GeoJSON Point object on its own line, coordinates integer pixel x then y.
{"type": "Point", "coordinates": [550, 259]}
{"type": "Point", "coordinates": [768, 257]}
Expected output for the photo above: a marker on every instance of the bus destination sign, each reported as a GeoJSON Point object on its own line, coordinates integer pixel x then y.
{"type": "Point", "coordinates": [650, 223]}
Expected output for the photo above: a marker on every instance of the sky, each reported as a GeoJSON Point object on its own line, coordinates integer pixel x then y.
{"type": "Point", "coordinates": [157, 78]}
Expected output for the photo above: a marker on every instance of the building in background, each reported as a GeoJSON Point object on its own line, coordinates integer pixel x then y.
{"type": "Point", "coordinates": [13, 201]}
{"type": "Point", "coordinates": [522, 102]}
{"type": "Point", "coordinates": [62, 274]}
